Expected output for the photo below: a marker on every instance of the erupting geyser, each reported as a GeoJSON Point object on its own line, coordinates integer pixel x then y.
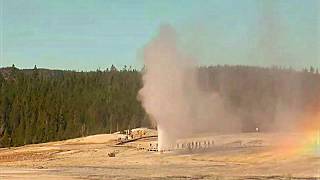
{"type": "Point", "coordinates": [171, 96]}
{"type": "Point", "coordinates": [164, 80]}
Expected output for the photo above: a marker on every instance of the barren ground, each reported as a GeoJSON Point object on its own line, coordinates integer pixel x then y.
{"type": "Point", "coordinates": [235, 156]}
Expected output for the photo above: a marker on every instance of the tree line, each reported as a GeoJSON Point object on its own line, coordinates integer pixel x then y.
{"type": "Point", "coordinates": [39, 105]}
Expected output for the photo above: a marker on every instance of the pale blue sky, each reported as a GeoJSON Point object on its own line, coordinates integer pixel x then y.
{"type": "Point", "coordinates": [91, 34]}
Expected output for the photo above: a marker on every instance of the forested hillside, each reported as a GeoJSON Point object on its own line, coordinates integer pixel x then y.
{"type": "Point", "coordinates": [41, 105]}
{"type": "Point", "coordinates": [272, 99]}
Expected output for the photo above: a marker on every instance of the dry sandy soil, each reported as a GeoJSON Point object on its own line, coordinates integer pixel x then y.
{"type": "Point", "coordinates": [235, 156]}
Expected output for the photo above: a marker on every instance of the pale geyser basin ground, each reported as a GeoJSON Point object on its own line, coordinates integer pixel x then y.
{"type": "Point", "coordinates": [234, 156]}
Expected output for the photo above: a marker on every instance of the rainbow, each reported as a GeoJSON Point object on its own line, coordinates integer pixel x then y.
{"type": "Point", "coordinates": [307, 141]}
{"type": "Point", "coordinates": [310, 143]}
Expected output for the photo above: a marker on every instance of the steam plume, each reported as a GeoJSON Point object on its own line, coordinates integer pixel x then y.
{"type": "Point", "coordinates": [171, 93]}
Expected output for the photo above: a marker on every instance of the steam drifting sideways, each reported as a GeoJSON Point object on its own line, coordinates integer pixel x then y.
{"type": "Point", "coordinates": [171, 94]}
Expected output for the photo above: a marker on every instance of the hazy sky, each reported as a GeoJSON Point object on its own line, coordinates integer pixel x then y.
{"type": "Point", "coordinates": [88, 34]}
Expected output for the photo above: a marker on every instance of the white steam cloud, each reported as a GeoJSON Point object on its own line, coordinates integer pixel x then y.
{"type": "Point", "coordinates": [171, 93]}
